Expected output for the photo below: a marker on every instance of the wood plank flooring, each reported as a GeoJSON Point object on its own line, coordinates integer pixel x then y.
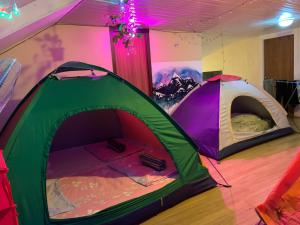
{"type": "Point", "coordinates": [252, 174]}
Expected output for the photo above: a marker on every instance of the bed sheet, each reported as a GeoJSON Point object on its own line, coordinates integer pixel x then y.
{"type": "Point", "coordinates": [101, 189]}
{"type": "Point", "coordinates": [89, 185]}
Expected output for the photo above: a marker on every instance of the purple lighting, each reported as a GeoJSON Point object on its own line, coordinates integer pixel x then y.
{"type": "Point", "coordinates": [129, 16]}
{"type": "Point", "coordinates": [126, 23]}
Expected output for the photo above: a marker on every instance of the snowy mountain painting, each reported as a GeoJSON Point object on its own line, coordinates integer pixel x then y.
{"type": "Point", "coordinates": [174, 80]}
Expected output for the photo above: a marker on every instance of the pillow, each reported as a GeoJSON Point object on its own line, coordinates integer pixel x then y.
{"type": "Point", "coordinates": [132, 167]}
{"type": "Point", "coordinates": [57, 203]}
{"type": "Point", "coordinates": [102, 152]}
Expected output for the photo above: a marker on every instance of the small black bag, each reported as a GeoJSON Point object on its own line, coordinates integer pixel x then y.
{"type": "Point", "coordinates": [153, 162]}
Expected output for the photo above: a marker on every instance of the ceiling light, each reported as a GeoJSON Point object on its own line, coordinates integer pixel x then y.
{"type": "Point", "coordinates": [286, 19]}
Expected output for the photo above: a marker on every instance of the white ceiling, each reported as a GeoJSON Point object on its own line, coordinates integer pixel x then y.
{"type": "Point", "coordinates": [232, 16]}
{"type": "Point", "coordinates": [220, 22]}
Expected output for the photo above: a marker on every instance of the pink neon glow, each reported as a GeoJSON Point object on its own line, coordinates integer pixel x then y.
{"type": "Point", "coordinates": [129, 16]}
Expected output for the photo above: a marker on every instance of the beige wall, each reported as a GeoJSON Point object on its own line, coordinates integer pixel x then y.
{"type": "Point", "coordinates": [60, 43]}
{"type": "Point", "coordinates": [243, 57]}
{"type": "Point", "coordinates": [42, 53]}
{"type": "Point", "coordinates": [166, 46]}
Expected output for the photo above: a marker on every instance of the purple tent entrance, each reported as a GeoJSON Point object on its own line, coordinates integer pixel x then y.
{"type": "Point", "coordinates": [227, 114]}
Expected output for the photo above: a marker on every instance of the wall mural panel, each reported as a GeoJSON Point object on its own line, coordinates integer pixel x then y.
{"type": "Point", "coordinates": [174, 80]}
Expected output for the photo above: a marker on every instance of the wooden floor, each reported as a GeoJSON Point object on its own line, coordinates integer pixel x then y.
{"type": "Point", "coordinates": [252, 174]}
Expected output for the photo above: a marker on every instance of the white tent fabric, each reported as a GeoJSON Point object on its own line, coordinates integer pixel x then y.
{"type": "Point", "coordinates": [227, 114]}
{"type": "Point", "coordinates": [233, 89]}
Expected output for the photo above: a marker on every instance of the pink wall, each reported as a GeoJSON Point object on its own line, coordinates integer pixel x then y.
{"type": "Point", "coordinates": [60, 43]}
{"type": "Point", "coordinates": [42, 53]}
{"type": "Point", "coordinates": [168, 47]}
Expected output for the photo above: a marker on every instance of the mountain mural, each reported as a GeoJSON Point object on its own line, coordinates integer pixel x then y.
{"type": "Point", "coordinates": [169, 89]}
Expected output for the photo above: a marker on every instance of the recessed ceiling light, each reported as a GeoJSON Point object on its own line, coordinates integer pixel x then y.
{"type": "Point", "coordinates": [286, 19]}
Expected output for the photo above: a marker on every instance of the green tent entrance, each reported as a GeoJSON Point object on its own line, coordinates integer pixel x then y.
{"type": "Point", "coordinates": [78, 115]}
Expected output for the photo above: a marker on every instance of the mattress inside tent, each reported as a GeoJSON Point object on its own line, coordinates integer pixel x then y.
{"type": "Point", "coordinates": [249, 118]}
{"type": "Point", "coordinates": [249, 123]}
{"type": "Point", "coordinates": [86, 179]}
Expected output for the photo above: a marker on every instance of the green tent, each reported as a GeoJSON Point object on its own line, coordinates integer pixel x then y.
{"type": "Point", "coordinates": [33, 126]}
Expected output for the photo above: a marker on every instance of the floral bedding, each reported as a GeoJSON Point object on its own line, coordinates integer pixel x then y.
{"type": "Point", "coordinates": [80, 184]}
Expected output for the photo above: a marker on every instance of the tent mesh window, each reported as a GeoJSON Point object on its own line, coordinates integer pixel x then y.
{"type": "Point", "coordinates": [101, 158]}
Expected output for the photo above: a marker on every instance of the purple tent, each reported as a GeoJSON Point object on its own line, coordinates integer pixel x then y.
{"type": "Point", "coordinates": [206, 115]}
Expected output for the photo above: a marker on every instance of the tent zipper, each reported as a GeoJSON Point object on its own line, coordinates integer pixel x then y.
{"type": "Point", "coordinates": [161, 202]}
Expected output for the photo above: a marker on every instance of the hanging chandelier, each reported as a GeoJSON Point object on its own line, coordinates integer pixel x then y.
{"type": "Point", "coordinates": [9, 9]}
